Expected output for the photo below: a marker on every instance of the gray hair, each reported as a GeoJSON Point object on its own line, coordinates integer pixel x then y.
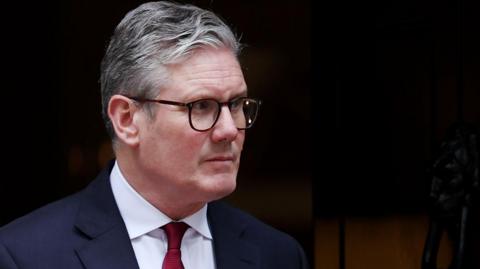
{"type": "Point", "coordinates": [149, 38]}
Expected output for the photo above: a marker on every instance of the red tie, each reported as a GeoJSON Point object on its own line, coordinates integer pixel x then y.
{"type": "Point", "coordinates": [175, 232]}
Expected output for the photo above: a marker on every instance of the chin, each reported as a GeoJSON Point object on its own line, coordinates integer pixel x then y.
{"type": "Point", "coordinates": [219, 187]}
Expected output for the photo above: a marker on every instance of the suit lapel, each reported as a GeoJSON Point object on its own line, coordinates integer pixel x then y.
{"type": "Point", "coordinates": [108, 251]}
{"type": "Point", "coordinates": [99, 219]}
{"type": "Point", "coordinates": [231, 251]}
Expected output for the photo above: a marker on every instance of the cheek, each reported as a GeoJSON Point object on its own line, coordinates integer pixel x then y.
{"type": "Point", "coordinates": [185, 147]}
{"type": "Point", "coordinates": [171, 143]}
{"type": "Point", "coordinates": [175, 133]}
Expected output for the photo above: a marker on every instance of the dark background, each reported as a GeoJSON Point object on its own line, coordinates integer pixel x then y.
{"type": "Point", "coordinates": [388, 79]}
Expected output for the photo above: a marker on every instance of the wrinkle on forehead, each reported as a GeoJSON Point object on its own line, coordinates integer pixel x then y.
{"type": "Point", "coordinates": [219, 66]}
{"type": "Point", "coordinates": [214, 72]}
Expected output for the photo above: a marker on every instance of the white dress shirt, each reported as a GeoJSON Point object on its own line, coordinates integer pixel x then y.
{"type": "Point", "coordinates": [143, 222]}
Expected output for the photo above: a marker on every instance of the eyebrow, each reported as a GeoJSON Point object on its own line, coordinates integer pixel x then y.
{"type": "Point", "coordinates": [205, 95]}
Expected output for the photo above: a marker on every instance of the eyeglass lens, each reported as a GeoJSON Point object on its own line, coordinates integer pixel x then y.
{"type": "Point", "coordinates": [204, 113]}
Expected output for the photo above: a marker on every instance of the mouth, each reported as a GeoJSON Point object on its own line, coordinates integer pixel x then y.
{"type": "Point", "coordinates": [221, 158]}
{"type": "Point", "coordinates": [223, 163]}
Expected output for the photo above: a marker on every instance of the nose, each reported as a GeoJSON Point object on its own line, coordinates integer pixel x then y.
{"type": "Point", "coordinates": [225, 128]}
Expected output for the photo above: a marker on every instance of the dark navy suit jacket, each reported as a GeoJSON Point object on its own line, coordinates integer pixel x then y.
{"type": "Point", "coordinates": [86, 231]}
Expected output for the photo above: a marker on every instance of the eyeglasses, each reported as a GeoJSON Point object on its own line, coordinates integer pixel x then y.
{"type": "Point", "coordinates": [204, 113]}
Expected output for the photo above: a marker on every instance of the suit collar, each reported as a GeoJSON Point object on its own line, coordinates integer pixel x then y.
{"type": "Point", "coordinates": [99, 219]}
{"type": "Point", "coordinates": [231, 251]}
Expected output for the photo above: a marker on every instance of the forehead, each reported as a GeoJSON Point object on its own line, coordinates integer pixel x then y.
{"type": "Point", "coordinates": [209, 72]}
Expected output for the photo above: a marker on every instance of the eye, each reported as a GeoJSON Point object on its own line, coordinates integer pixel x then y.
{"type": "Point", "coordinates": [237, 104]}
{"type": "Point", "coordinates": [204, 106]}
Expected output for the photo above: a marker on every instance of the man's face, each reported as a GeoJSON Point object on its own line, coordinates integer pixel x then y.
{"type": "Point", "coordinates": [195, 166]}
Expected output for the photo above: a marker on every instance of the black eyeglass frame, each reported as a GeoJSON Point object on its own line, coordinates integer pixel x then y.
{"type": "Point", "coordinates": [189, 105]}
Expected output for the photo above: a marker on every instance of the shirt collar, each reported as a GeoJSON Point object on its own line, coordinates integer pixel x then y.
{"type": "Point", "coordinates": [141, 217]}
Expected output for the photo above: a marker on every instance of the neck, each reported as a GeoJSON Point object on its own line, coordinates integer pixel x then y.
{"type": "Point", "coordinates": [161, 197]}
{"type": "Point", "coordinates": [176, 213]}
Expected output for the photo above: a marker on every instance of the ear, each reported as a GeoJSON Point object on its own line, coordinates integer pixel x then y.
{"type": "Point", "coordinates": [122, 111]}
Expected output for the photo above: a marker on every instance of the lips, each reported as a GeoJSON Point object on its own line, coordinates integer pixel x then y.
{"type": "Point", "coordinates": [221, 158]}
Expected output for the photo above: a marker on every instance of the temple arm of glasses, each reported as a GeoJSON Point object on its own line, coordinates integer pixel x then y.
{"type": "Point", "coordinates": [166, 102]}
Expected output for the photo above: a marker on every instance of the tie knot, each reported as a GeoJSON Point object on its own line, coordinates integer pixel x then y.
{"type": "Point", "coordinates": [175, 232]}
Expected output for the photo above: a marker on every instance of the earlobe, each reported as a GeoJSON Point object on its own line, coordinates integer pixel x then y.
{"type": "Point", "coordinates": [121, 111]}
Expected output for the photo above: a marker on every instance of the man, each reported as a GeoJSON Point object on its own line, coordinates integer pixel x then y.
{"type": "Point", "coordinates": [175, 104]}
